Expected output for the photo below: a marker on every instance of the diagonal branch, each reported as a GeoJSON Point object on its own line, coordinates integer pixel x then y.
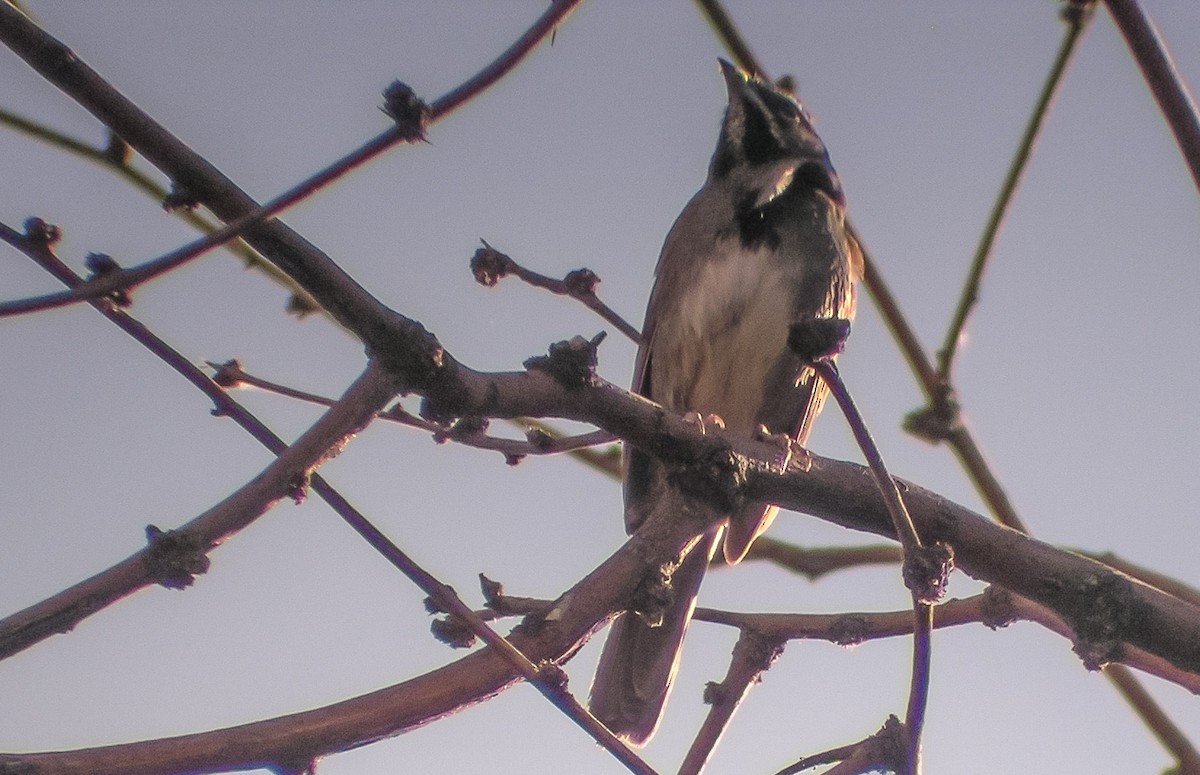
{"type": "Point", "coordinates": [348, 302]}
{"type": "Point", "coordinates": [1177, 105]}
{"type": "Point", "coordinates": [173, 558]}
{"type": "Point", "coordinates": [1076, 15]}
{"type": "Point", "coordinates": [301, 303]}
{"type": "Point", "coordinates": [284, 477]}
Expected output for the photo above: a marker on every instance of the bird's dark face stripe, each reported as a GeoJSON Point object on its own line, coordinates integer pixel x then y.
{"type": "Point", "coordinates": [760, 141]}
{"type": "Point", "coordinates": [769, 115]}
{"type": "Point", "coordinates": [763, 126]}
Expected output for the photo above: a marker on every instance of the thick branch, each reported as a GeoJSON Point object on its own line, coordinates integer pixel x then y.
{"type": "Point", "coordinates": [301, 737]}
{"type": "Point", "coordinates": [387, 334]}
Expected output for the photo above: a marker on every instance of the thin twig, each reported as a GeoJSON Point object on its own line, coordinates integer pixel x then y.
{"type": "Point", "coordinates": [126, 279]}
{"type": "Point", "coordinates": [901, 520]}
{"type": "Point", "coordinates": [283, 477]}
{"type": "Point", "coordinates": [301, 302]}
{"type": "Point", "coordinates": [813, 563]}
{"type": "Point", "coordinates": [1160, 724]}
{"type": "Point", "coordinates": [752, 655]}
{"type": "Point", "coordinates": [926, 570]}
{"type": "Point", "coordinates": [1076, 16]}
{"type": "Point", "coordinates": [207, 530]}
{"type": "Point", "coordinates": [880, 751]}
{"type": "Point", "coordinates": [490, 265]}
{"type": "Point", "coordinates": [555, 15]}
{"type": "Point", "coordinates": [1166, 84]}
{"type": "Point", "coordinates": [728, 33]}
{"type": "Point", "coordinates": [16, 31]}
{"type": "Point", "coordinates": [548, 678]}
{"type": "Point", "coordinates": [468, 432]}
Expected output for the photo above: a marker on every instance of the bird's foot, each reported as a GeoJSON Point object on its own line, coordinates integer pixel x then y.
{"type": "Point", "coordinates": [793, 454]}
{"type": "Point", "coordinates": [704, 422]}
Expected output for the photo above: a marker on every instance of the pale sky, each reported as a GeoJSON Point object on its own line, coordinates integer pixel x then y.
{"type": "Point", "coordinates": [1077, 377]}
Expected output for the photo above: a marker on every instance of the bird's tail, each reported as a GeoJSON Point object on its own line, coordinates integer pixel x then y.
{"type": "Point", "coordinates": [638, 663]}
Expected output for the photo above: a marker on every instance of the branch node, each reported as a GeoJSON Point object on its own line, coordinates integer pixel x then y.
{"type": "Point", "coordinates": [180, 197]}
{"type": "Point", "coordinates": [940, 420]}
{"type": "Point", "coordinates": [448, 628]}
{"type": "Point", "coordinates": [926, 571]}
{"type": "Point", "coordinates": [1101, 609]}
{"type": "Point", "coordinates": [104, 265]}
{"type": "Point", "coordinates": [402, 105]}
{"type": "Point", "coordinates": [433, 606]}
{"type": "Point", "coordinates": [41, 233]}
{"type": "Point", "coordinates": [1076, 12]}
{"type": "Point", "coordinates": [890, 744]}
{"type": "Point", "coordinates": [719, 478]}
{"type": "Point", "coordinates": [492, 591]}
{"type": "Point", "coordinates": [228, 374]}
{"type": "Point", "coordinates": [849, 630]}
{"type": "Point", "coordinates": [175, 557]}
{"type": "Point", "coordinates": [572, 363]}
{"type": "Point", "coordinates": [539, 439]}
{"type": "Point", "coordinates": [581, 283]}
{"type": "Point", "coordinates": [298, 765]}
{"type": "Point", "coordinates": [552, 677]}
{"type": "Point", "coordinates": [452, 631]}
{"type": "Point", "coordinates": [653, 596]}
{"type": "Point", "coordinates": [297, 487]}
{"type": "Point", "coordinates": [997, 609]}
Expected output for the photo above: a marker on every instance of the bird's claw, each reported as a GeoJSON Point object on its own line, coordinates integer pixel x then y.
{"type": "Point", "coordinates": [794, 455]}
{"type": "Point", "coordinates": [704, 421]}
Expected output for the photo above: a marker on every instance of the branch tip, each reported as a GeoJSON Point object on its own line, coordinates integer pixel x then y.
{"type": "Point", "coordinates": [41, 233]}
{"type": "Point", "coordinates": [490, 266]}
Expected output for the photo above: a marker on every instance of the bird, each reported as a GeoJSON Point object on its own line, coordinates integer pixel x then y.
{"type": "Point", "coordinates": [762, 245]}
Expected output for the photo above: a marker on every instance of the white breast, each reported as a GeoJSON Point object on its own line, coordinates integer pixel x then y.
{"type": "Point", "coordinates": [729, 330]}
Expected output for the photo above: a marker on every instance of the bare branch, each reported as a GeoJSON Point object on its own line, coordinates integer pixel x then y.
{"type": "Point", "coordinates": [753, 654]}
{"type": "Point", "coordinates": [349, 303]}
{"type": "Point", "coordinates": [285, 477]}
{"type": "Point", "coordinates": [1177, 105]}
{"type": "Point", "coordinates": [727, 32]}
{"type": "Point", "coordinates": [301, 303]}
{"type": "Point", "coordinates": [813, 563]}
{"type": "Point", "coordinates": [1076, 15]}
{"type": "Point", "coordinates": [470, 432]}
{"type": "Point", "coordinates": [490, 265]}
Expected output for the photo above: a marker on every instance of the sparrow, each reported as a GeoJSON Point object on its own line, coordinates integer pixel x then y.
{"type": "Point", "coordinates": [763, 244]}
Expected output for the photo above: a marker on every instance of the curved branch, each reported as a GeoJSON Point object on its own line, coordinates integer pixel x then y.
{"type": "Point", "coordinates": [301, 737]}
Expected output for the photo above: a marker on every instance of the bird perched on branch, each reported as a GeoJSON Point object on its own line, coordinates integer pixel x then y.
{"type": "Point", "coordinates": [761, 246]}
